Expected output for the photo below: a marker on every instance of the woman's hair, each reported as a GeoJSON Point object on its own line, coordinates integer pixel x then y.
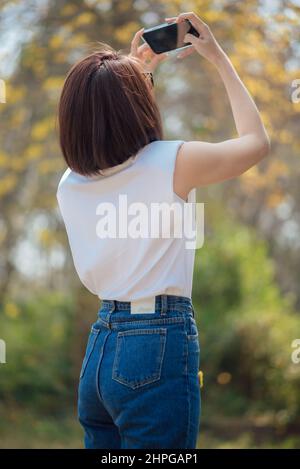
{"type": "Point", "coordinates": [107, 111]}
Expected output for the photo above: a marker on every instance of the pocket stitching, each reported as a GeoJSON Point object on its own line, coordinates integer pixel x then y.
{"type": "Point", "coordinates": [160, 330]}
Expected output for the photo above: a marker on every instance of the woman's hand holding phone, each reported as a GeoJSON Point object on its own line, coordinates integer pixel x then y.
{"type": "Point", "coordinates": [145, 54]}
{"type": "Point", "coordinates": [206, 44]}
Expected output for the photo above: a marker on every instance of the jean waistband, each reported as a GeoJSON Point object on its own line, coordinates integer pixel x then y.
{"type": "Point", "coordinates": [154, 304]}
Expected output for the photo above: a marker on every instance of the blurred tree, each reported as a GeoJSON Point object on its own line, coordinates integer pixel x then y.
{"type": "Point", "coordinates": [262, 42]}
{"type": "Point", "coordinates": [247, 324]}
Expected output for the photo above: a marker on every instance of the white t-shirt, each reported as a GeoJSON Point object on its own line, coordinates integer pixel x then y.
{"type": "Point", "coordinates": [120, 249]}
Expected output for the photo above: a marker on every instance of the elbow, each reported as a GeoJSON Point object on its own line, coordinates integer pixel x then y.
{"type": "Point", "coordinates": [264, 146]}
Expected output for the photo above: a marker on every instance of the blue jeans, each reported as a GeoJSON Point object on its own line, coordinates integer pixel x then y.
{"type": "Point", "coordinates": [139, 385]}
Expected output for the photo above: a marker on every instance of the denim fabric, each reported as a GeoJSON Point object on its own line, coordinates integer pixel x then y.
{"type": "Point", "coordinates": [139, 385]}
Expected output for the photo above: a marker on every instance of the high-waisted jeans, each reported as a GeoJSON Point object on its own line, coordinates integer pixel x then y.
{"type": "Point", "coordinates": [139, 385]}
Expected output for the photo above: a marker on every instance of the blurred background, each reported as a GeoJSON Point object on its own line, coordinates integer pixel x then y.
{"type": "Point", "coordinates": [246, 284]}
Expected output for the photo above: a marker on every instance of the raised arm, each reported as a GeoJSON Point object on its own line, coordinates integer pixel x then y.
{"type": "Point", "coordinates": [201, 163]}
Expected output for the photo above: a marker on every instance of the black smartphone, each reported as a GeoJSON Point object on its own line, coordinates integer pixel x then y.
{"type": "Point", "coordinates": [167, 37]}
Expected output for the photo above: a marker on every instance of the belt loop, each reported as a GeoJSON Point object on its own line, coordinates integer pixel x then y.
{"type": "Point", "coordinates": [113, 307]}
{"type": "Point", "coordinates": [164, 304]}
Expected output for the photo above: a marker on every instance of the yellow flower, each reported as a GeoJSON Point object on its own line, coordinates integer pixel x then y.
{"type": "Point", "coordinates": [200, 376]}
{"type": "Point", "coordinates": [11, 310]}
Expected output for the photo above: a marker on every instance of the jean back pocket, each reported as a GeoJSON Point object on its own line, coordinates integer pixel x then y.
{"type": "Point", "coordinates": [139, 356]}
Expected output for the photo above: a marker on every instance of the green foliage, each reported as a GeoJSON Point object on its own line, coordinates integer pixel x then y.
{"type": "Point", "coordinates": [28, 429]}
{"type": "Point", "coordinates": [38, 335]}
{"type": "Point", "coordinates": [246, 327]}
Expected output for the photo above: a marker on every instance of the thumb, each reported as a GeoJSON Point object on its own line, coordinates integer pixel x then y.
{"type": "Point", "coordinates": [190, 38]}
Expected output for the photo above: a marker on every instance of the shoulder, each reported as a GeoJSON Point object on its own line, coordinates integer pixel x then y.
{"type": "Point", "coordinates": [63, 182]}
{"type": "Point", "coordinates": [165, 151]}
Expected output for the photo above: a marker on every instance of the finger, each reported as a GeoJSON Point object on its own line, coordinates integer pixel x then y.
{"type": "Point", "coordinates": [186, 52]}
{"type": "Point", "coordinates": [162, 57]}
{"type": "Point", "coordinates": [143, 48]}
{"type": "Point", "coordinates": [157, 59]}
{"type": "Point", "coordinates": [190, 38]}
{"type": "Point", "coordinates": [194, 19]}
{"type": "Point", "coordinates": [147, 55]}
{"type": "Point", "coordinates": [135, 41]}
{"type": "Point", "coordinates": [190, 15]}
{"type": "Point", "coordinates": [174, 19]}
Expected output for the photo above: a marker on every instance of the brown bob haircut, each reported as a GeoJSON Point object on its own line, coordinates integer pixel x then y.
{"type": "Point", "coordinates": [107, 111]}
